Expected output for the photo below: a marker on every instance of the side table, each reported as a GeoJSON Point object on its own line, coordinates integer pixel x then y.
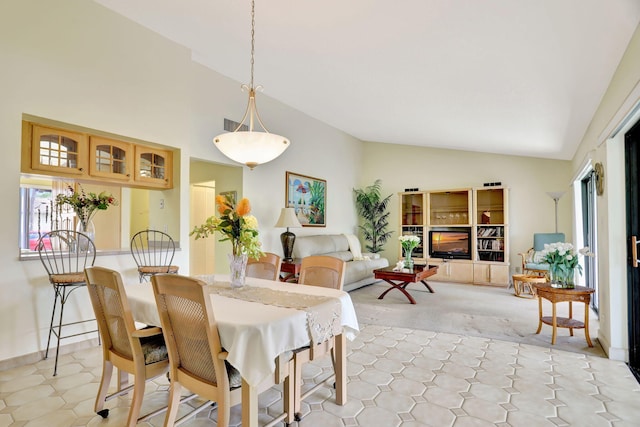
{"type": "Point", "coordinates": [555, 295]}
{"type": "Point", "coordinates": [522, 284]}
{"type": "Point", "coordinates": [289, 270]}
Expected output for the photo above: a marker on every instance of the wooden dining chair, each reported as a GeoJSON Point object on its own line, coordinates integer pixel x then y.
{"type": "Point", "coordinates": [153, 252]}
{"type": "Point", "coordinates": [328, 272]}
{"type": "Point", "coordinates": [140, 352]}
{"type": "Point", "coordinates": [265, 267]}
{"type": "Point", "coordinates": [197, 359]}
{"type": "Point", "coordinates": [322, 270]}
{"type": "Point", "coordinates": [64, 255]}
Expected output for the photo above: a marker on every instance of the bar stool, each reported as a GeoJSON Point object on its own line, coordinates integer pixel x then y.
{"type": "Point", "coordinates": [65, 254]}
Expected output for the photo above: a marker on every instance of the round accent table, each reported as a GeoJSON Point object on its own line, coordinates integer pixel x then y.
{"type": "Point", "coordinates": [555, 295]}
{"type": "Point", "coordinates": [523, 284]}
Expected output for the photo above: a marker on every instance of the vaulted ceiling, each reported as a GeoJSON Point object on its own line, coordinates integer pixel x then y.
{"type": "Point", "coordinates": [501, 76]}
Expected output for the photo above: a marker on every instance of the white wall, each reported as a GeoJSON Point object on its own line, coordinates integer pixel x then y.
{"type": "Point", "coordinates": [601, 145]}
{"type": "Point", "coordinates": [76, 62]}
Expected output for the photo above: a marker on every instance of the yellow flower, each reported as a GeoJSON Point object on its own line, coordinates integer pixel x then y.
{"type": "Point", "coordinates": [236, 226]}
{"type": "Point", "coordinates": [244, 207]}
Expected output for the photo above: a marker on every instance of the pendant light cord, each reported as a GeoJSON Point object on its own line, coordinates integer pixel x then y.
{"type": "Point", "coordinates": [253, 32]}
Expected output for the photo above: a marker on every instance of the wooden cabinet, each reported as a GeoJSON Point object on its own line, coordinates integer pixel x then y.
{"type": "Point", "coordinates": [413, 212]}
{"type": "Point", "coordinates": [453, 271]}
{"type": "Point", "coordinates": [449, 208]}
{"type": "Point", "coordinates": [55, 151]}
{"type": "Point", "coordinates": [65, 153]}
{"type": "Point", "coordinates": [469, 228]}
{"type": "Point", "coordinates": [110, 159]}
{"type": "Point", "coordinates": [491, 235]}
{"type": "Point", "coordinates": [491, 274]}
{"type": "Point", "coordinates": [153, 167]}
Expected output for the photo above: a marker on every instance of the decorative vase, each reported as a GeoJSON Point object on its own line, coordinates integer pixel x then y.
{"type": "Point", "coordinates": [408, 261]}
{"type": "Point", "coordinates": [237, 269]}
{"type": "Point", "coordinates": [561, 276]}
{"type": "Point", "coordinates": [87, 228]}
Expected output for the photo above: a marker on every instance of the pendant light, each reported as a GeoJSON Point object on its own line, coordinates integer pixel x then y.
{"type": "Point", "coordinates": [251, 147]}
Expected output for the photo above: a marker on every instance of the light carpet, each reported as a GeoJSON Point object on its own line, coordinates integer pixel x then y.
{"type": "Point", "coordinates": [471, 310]}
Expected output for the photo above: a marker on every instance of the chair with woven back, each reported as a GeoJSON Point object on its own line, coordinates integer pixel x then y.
{"type": "Point", "coordinates": [64, 255]}
{"type": "Point", "coordinates": [197, 359]}
{"type": "Point", "coordinates": [328, 272]}
{"type": "Point", "coordinates": [140, 352]}
{"type": "Point", "coordinates": [153, 252]}
{"type": "Point", "coordinates": [531, 260]}
{"type": "Point", "coordinates": [265, 267]}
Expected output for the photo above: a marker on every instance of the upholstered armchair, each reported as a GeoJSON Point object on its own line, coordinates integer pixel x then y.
{"type": "Point", "coordinates": [531, 260]}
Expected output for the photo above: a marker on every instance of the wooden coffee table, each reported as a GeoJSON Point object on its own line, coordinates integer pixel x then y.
{"type": "Point", "coordinates": [400, 279]}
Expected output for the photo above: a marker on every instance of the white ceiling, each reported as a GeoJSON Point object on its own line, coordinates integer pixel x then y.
{"type": "Point", "coordinates": [520, 77]}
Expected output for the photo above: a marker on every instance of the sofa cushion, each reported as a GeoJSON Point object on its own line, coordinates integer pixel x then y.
{"type": "Point", "coordinates": [343, 255]}
{"type": "Point", "coordinates": [358, 273]}
{"type": "Point", "coordinates": [321, 244]}
{"type": "Point", "coordinates": [305, 246]}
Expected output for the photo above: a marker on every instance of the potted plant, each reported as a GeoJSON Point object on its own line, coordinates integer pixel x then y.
{"type": "Point", "coordinates": [372, 208]}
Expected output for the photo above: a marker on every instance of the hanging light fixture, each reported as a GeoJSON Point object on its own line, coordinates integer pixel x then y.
{"type": "Point", "coordinates": [250, 147]}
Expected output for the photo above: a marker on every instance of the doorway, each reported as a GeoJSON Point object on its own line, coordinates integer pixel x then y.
{"type": "Point", "coordinates": [632, 192]}
{"type": "Point", "coordinates": [590, 233]}
{"type": "Point", "coordinates": [202, 251]}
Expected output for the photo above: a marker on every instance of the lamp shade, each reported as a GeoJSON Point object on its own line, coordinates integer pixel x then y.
{"type": "Point", "coordinates": [288, 219]}
{"type": "Point", "coordinates": [250, 147]}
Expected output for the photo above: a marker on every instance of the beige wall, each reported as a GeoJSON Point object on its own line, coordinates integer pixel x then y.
{"type": "Point", "coordinates": [602, 144]}
{"type": "Point", "coordinates": [76, 62]}
{"type": "Point", "coordinates": [531, 210]}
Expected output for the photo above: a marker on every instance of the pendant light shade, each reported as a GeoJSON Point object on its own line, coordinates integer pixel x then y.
{"type": "Point", "coordinates": [251, 147]}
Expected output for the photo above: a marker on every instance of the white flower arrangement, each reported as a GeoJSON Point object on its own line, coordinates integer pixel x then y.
{"type": "Point", "coordinates": [409, 242]}
{"type": "Point", "coordinates": [562, 256]}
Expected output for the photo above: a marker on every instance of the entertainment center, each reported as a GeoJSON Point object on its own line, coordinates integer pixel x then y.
{"type": "Point", "coordinates": [464, 232]}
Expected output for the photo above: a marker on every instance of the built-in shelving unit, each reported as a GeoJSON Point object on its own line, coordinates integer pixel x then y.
{"type": "Point", "coordinates": [463, 231]}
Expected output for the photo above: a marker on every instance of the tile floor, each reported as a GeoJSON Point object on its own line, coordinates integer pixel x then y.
{"type": "Point", "coordinates": [397, 377]}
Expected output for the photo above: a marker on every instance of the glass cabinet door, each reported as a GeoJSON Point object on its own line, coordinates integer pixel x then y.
{"type": "Point", "coordinates": [110, 159]}
{"type": "Point", "coordinates": [449, 208]}
{"type": "Point", "coordinates": [57, 151]}
{"type": "Point", "coordinates": [153, 167]}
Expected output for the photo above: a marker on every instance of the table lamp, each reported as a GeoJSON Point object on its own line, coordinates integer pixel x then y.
{"type": "Point", "coordinates": [288, 219]}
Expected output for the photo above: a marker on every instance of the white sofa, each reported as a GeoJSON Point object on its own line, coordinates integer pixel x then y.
{"type": "Point", "coordinates": [359, 271]}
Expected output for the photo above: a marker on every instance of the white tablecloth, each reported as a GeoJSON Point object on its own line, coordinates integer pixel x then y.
{"type": "Point", "coordinates": [253, 334]}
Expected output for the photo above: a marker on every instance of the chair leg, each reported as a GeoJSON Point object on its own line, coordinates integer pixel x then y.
{"type": "Point", "coordinates": [107, 371]}
{"type": "Point", "coordinates": [136, 401]}
{"type": "Point", "coordinates": [53, 314]}
{"type": "Point", "coordinates": [62, 301]}
{"type": "Point", "coordinates": [174, 402]}
{"type": "Point", "coordinates": [288, 403]}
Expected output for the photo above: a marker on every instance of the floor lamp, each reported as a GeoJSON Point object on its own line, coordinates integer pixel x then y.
{"type": "Point", "coordinates": [288, 219]}
{"type": "Point", "coordinates": [556, 195]}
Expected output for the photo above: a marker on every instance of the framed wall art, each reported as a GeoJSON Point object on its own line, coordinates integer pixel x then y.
{"type": "Point", "coordinates": [233, 194]}
{"type": "Point", "coordinates": [308, 196]}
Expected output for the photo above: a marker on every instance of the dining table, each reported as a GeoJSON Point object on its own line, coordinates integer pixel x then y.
{"type": "Point", "coordinates": [263, 320]}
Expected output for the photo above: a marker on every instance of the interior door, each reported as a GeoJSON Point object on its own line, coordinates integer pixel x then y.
{"type": "Point", "coordinates": [589, 234]}
{"type": "Point", "coordinates": [632, 192]}
{"type": "Point", "coordinates": [202, 251]}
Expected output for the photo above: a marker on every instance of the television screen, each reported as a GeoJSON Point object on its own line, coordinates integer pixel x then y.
{"type": "Point", "coordinates": [450, 244]}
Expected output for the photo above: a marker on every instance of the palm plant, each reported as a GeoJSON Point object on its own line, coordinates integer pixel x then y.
{"type": "Point", "coordinates": [372, 208]}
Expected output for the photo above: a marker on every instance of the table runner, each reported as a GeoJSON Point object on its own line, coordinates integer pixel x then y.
{"type": "Point", "coordinates": [324, 319]}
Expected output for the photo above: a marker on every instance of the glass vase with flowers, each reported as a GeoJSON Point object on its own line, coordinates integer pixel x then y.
{"type": "Point", "coordinates": [237, 226]}
{"type": "Point", "coordinates": [563, 263]}
{"type": "Point", "coordinates": [85, 205]}
{"type": "Point", "coordinates": [408, 243]}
